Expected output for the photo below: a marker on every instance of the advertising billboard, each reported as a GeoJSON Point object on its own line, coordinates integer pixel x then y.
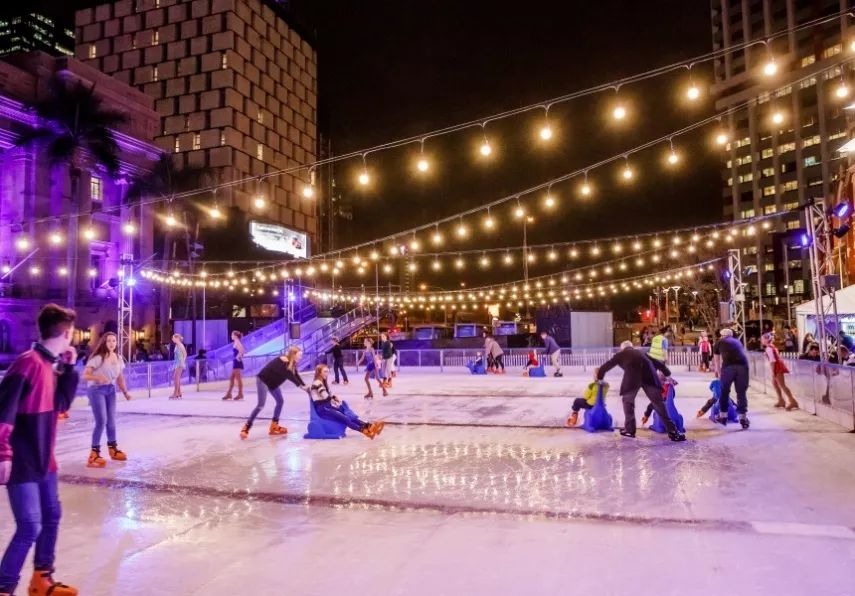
{"type": "Point", "coordinates": [279, 239]}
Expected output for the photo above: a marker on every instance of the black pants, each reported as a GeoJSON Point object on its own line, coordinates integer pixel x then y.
{"type": "Point", "coordinates": [737, 376]}
{"type": "Point", "coordinates": [338, 365]}
{"type": "Point", "coordinates": [654, 394]}
{"type": "Point", "coordinates": [580, 403]}
{"type": "Point", "coordinates": [498, 362]}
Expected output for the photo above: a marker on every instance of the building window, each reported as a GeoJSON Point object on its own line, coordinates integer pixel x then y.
{"type": "Point", "coordinates": [260, 117]}
{"type": "Point", "coordinates": [810, 161]}
{"type": "Point", "coordinates": [177, 144]}
{"type": "Point", "coordinates": [224, 60]}
{"type": "Point", "coordinates": [746, 177]}
{"type": "Point", "coordinates": [746, 213]}
{"type": "Point", "coordinates": [222, 138]}
{"type": "Point", "coordinates": [93, 51]}
{"type": "Point", "coordinates": [791, 185]}
{"type": "Point", "coordinates": [154, 74]}
{"type": "Point", "coordinates": [798, 286]}
{"type": "Point", "coordinates": [785, 147]}
{"type": "Point", "coordinates": [795, 264]}
{"type": "Point", "coordinates": [832, 51]}
{"type": "Point", "coordinates": [197, 141]}
{"type": "Point", "coordinates": [815, 181]}
{"type": "Point", "coordinates": [770, 287]}
{"type": "Point", "coordinates": [837, 135]}
{"type": "Point", "coordinates": [767, 153]}
{"type": "Point", "coordinates": [96, 189]}
{"type": "Point", "coordinates": [743, 142]}
{"type": "Point", "coordinates": [769, 209]}
{"type": "Point", "coordinates": [790, 206]}
{"type": "Point", "coordinates": [730, 181]}
{"type": "Point", "coordinates": [808, 83]}
{"type": "Point", "coordinates": [768, 172]}
{"type": "Point", "coordinates": [808, 60]}
{"type": "Point", "coordinates": [259, 152]}
{"type": "Point", "coordinates": [729, 163]}
{"type": "Point", "coordinates": [768, 191]}
{"type": "Point", "coordinates": [811, 141]}
{"type": "Point", "coordinates": [792, 224]}
{"type": "Point", "coordinates": [155, 37]}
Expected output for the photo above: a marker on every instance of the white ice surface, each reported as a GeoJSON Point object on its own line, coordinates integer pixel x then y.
{"type": "Point", "coordinates": [474, 487]}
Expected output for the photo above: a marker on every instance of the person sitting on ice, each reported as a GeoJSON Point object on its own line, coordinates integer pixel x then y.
{"type": "Point", "coordinates": [532, 362]}
{"type": "Point", "coordinates": [648, 411]}
{"type": "Point", "coordinates": [588, 399]}
{"type": "Point", "coordinates": [330, 407]}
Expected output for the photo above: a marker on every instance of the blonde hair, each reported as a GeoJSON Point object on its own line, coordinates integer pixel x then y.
{"type": "Point", "coordinates": [319, 369]}
{"type": "Point", "coordinates": [291, 356]}
{"type": "Point", "coordinates": [179, 336]}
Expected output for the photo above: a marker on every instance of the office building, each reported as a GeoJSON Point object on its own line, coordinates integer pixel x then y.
{"type": "Point", "coordinates": [32, 31]}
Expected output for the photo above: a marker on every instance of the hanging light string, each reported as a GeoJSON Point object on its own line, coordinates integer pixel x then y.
{"type": "Point", "coordinates": [481, 122]}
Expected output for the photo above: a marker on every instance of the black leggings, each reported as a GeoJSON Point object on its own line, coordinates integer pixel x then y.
{"type": "Point", "coordinates": [498, 362]}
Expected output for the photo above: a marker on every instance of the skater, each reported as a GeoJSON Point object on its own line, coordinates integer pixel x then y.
{"type": "Point", "coordinates": [488, 341]}
{"type": "Point", "coordinates": [372, 368]}
{"type": "Point", "coordinates": [779, 369]}
{"type": "Point", "coordinates": [38, 385]}
{"type": "Point", "coordinates": [639, 372]}
{"type": "Point", "coordinates": [659, 346]}
{"type": "Point", "coordinates": [498, 355]}
{"type": "Point", "coordinates": [236, 376]}
{"type": "Point", "coordinates": [330, 407]}
{"type": "Point", "coordinates": [705, 348]}
{"type": "Point", "coordinates": [270, 378]}
{"type": "Point", "coordinates": [648, 411]}
{"type": "Point", "coordinates": [588, 399]}
{"type": "Point", "coordinates": [532, 363]}
{"type": "Point", "coordinates": [551, 349]}
{"type": "Point", "coordinates": [180, 365]}
{"type": "Point", "coordinates": [104, 371]}
{"type": "Point", "coordinates": [338, 361]}
{"type": "Point", "coordinates": [731, 365]}
{"type": "Point", "coordinates": [387, 351]}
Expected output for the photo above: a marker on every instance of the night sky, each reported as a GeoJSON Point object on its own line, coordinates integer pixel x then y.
{"type": "Point", "coordinates": [392, 69]}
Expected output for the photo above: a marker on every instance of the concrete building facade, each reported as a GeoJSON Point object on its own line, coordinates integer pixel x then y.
{"type": "Point", "coordinates": [235, 87]}
{"type": "Point", "coordinates": [770, 168]}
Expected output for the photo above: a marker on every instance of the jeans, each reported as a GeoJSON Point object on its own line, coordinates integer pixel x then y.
{"type": "Point", "coordinates": [580, 403]}
{"type": "Point", "coordinates": [343, 415]}
{"type": "Point", "coordinates": [736, 375]}
{"type": "Point", "coordinates": [654, 394]}
{"type": "Point", "coordinates": [262, 390]}
{"type": "Point", "coordinates": [102, 400]}
{"type": "Point", "coordinates": [35, 506]}
{"type": "Point", "coordinates": [338, 365]}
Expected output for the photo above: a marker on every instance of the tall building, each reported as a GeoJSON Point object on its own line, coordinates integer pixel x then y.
{"type": "Point", "coordinates": [235, 86]}
{"type": "Point", "coordinates": [771, 167]}
{"type": "Point", "coordinates": [36, 207]}
{"type": "Point", "coordinates": [33, 31]}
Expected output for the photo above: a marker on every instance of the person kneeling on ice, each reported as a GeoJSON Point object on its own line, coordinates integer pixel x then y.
{"type": "Point", "coordinates": [639, 372]}
{"type": "Point", "coordinates": [532, 362]}
{"type": "Point", "coordinates": [332, 408]}
{"type": "Point", "coordinates": [270, 378]}
{"type": "Point", "coordinates": [588, 399]}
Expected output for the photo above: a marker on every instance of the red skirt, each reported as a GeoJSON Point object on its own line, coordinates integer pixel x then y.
{"type": "Point", "coordinates": [779, 368]}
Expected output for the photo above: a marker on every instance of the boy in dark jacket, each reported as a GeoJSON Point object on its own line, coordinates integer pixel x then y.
{"type": "Point", "coordinates": [38, 387]}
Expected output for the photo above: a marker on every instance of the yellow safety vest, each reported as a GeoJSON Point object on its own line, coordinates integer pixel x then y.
{"type": "Point", "coordinates": [656, 349]}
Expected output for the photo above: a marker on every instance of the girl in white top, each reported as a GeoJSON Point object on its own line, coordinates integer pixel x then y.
{"type": "Point", "coordinates": [180, 364]}
{"type": "Point", "coordinates": [104, 371]}
{"type": "Point", "coordinates": [779, 369]}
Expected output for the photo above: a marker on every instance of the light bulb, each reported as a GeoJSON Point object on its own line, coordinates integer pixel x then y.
{"type": "Point", "coordinates": [462, 231]}
{"type": "Point", "coordinates": [519, 212]}
{"type": "Point", "coordinates": [459, 263]}
{"type": "Point", "coordinates": [549, 201]}
{"type": "Point", "coordinates": [55, 238]}
{"type": "Point", "coordinates": [63, 271]}
{"type": "Point", "coordinates": [35, 270]}
{"type": "Point", "coordinates": [627, 173]}
{"type": "Point", "coordinates": [436, 238]}
{"type": "Point", "coordinates": [770, 68]}
{"type": "Point", "coordinates": [423, 165]}
{"type": "Point", "coordinates": [777, 117]}
{"type": "Point", "coordinates": [619, 113]}
{"type": "Point", "coordinates": [693, 92]}
{"type": "Point", "coordinates": [6, 268]}
{"type": "Point", "coordinates": [259, 202]}
{"type": "Point", "coordinates": [309, 191]}
{"type": "Point", "coordinates": [508, 259]}
{"type": "Point", "coordinates": [436, 266]}
{"type": "Point", "coordinates": [129, 228]}
{"type": "Point", "coordinates": [552, 255]}
{"type": "Point", "coordinates": [484, 262]}
{"type": "Point", "coordinates": [89, 234]}
{"type": "Point", "coordinates": [170, 220]}
{"type": "Point", "coordinates": [721, 138]}
{"type": "Point", "coordinates": [842, 90]}
{"type": "Point", "coordinates": [92, 272]}
{"type": "Point", "coordinates": [852, 45]}
{"type": "Point", "coordinates": [546, 133]}
{"type": "Point", "coordinates": [364, 178]}
{"type": "Point", "coordinates": [489, 223]}
{"type": "Point", "coordinates": [673, 158]}
{"type": "Point", "coordinates": [485, 148]}
{"type": "Point", "coordinates": [215, 212]}
{"type": "Point", "coordinates": [585, 189]}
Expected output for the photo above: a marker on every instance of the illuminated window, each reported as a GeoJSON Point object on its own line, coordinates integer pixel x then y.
{"type": "Point", "coordinates": [197, 141]}
{"type": "Point", "coordinates": [785, 147]}
{"type": "Point", "coordinates": [767, 172]}
{"type": "Point", "coordinates": [177, 144]}
{"type": "Point", "coordinates": [222, 138]}
{"type": "Point", "coordinates": [792, 225]}
{"type": "Point", "coordinates": [93, 51]}
{"type": "Point", "coordinates": [837, 135]}
{"type": "Point", "coordinates": [155, 37]}
{"type": "Point", "coordinates": [769, 209]}
{"type": "Point", "coordinates": [832, 51]}
{"type": "Point", "coordinates": [810, 161]}
{"type": "Point", "coordinates": [745, 213]}
{"type": "Point", "coordinates": [260, 117]}
{"type": "Point", "coordinates": [808, 83]}
{"type": "Point", "coordinates": [224, 60]}
{"type": "Point", "coordinates": [766, 153]}
{"type": "Point", "coordinates": [798, 286]}
{"type": "Point", "coordinates": [810, 141]}
{"type": "Point", "coordinates": [96, 189]}
{"type": "Point", "coordinates": [791, 185]}
{"type": "Point", "coordinates": [808, 60]}
{"type": "Point", "coordinates": [768, 191]}
{"type": "Point", "coordinates": [790, 206]}
{"type": "Point", "coordinates": [154, 74]}
{"type": "Point", "coordinates": [729, 163]}
{"type": "Point", "coordinates": [746, 177]}
{"type": "Point", "coordinates": [259, 152]}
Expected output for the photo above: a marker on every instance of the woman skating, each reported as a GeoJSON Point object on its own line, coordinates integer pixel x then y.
{"type": "Point", "coordinates": [180, 365]}
{"type": "Point", "coordinates": [330, 407]}
{"type": "Point", "coordinates": [104, 371]}
{"type": "Point", "coordinates": [372, 368]}
{"type": "Point", "coordinates": [236, 377]}
{"type": "Point", "coordinates": [269, 379]}
{"type": "Point", "coordinates": [779, 369]}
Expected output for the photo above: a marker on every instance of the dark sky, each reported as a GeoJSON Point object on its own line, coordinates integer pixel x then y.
{"type": "Point", "coordinates": [391, 69]}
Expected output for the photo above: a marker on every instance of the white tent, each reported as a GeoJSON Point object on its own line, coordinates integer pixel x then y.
{"type": "Point", "coordinates": [806, 312]}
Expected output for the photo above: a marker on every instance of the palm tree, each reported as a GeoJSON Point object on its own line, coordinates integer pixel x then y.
{"type": "Point", "coordinates": [75, 130]}
{"type": "Point", "coordinates": [164, 181]}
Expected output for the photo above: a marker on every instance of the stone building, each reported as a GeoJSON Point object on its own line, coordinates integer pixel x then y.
{"type": "Point", "coordinates": [235, 87]}
{"type": "Point", "coordinates": [35, 207]}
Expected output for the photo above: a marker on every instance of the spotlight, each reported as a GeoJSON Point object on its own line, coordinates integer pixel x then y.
{"type": "Point", "coordinates": [841, 209]}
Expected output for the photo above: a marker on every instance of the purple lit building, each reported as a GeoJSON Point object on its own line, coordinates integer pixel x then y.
{"type": "Point", "coordinates": [35, 204]}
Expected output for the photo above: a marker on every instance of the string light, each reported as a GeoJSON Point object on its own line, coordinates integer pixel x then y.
{"type": "Point", "coordinates": [519, 212]}
{"type": "Point", "coordinates": [92, 272]}
{"type": "Point", "coordinates": [673, 157]}
{"type": "Point", "coordinates": [215, 212]}
{"type": "Point", "coordinates": [627, 171]}
{"type": "Point", "coordinates": [585, 189]}
{"type": "Point", "coordinates": [546, 129]}
{"type": "Point", "coordinates": [770, 69]}
{"type": "Point", "coordinates": [364, 178]}
{"type": "Point", "coordinates": [129, 228]}
{"type": "Point", "coordinates": [489, 223]}
{"type": "Point", "coordinates": [721, 138]}
{"type": "Point", "coordinates": [63, 271]}
{"type": "Point", "coordinates": [437, 238]}
{"type": "Point", "coordinates": [777, 117]}
{"type": "Point", "coordinates": [462, 230]}
{"type": "Point", "coordinates": [549, 200]}
{"type": "Point", "coordinates": [55, 238]}
{"type": "Point", "coordinates": [89, 233]}
{"type": "Point", "coordinates": [485, 149]}
{"type": "Point", "coordinates": [170, 220]}
{"type": "Point", "coordinates": [693, 93]}
{"type": "Point", "coordinates": [422, 165]}
{"type": "Point", "coordinates": [842, 89]}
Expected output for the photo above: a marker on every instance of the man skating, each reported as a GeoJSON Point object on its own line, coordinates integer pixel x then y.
{"type": "Point", "coordinates": [639, 372]}
{"type": "Point", "coordinates": [731, 366]}
{"type": "Point", "coordinates": [551, 349]}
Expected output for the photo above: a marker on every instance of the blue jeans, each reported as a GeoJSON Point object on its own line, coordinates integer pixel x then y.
{"type": "Point", "coordinates": [102, 400]}
{"type": "Point", "coordinates": [338, 365]}
{"type": "Point", "coordinates": [261, 390]}
{"type": "Point", "coordinates": [736, 375]}
{"type": "Point", "coordinates": [35, 506]}
{"type": "Point", "coordinates": [343, 415]}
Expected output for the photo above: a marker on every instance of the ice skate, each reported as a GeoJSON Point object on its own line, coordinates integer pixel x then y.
{"type": "Point", "coordinates": [722, 418]}
{"type": "Point", "coordinates": [644, 420]}
{"type": "Point", "coordinates": [335, 382]}
{"type": "Point", "coordinates": [63, 416]}
{"type": "Point", "coordinates": [347, 382]}
{"type": "Point", "coordinates": [95, 459]}
{"type": "Point", "coordinates": [275, 429]}
{"type": "Point", "coordinates": [573, 419]}
{"type": "Point", "coordinates": [793, 405]}
{"type": "Point", "coordinates": [385, 393]}
{"type": "Point", "coordinates": [676, 436]}
{"type": "Point", "coordinates": [744, 421]}
{"type": "Point", "coordinates": [781, 403]}
{"type": "Point", "coordinates": [239, 397]}
{"type": "Point", "coordinates": [368, 396]}
{"type": "Point", "coordinates": [116, 453]}
{"type": "Point", "coordinates": [244, 432]}
{"type": "Point", "coordinates": [368, 431]}
{"type": "Point", "coordinates": [558, 374]}
{"type": "Point", "coordinates": [378, 427]}
{"type": "Point", "coordinates": [626, 433]}
{"type": "Point", "coordinates": [43, 584]}
{"type": "Point", "coordinates": [227, 397]}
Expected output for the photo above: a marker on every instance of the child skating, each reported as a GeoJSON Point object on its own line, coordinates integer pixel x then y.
{"type": "Point", "coordinates": [330, 407]}
{"type": "Point", "coordinates": [372, 368]}
{"type": "Point", "coordinates": [532, 363]}
{"type": "Point", "coordinates": [588, 399]}
{"type": "Point", "coordinates": [270, 379]}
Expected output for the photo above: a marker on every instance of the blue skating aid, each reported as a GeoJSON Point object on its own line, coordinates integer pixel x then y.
{"type": "Point", "coordinates": [537, 371]}
{"type": "Point", "coordinates": [321, 428]}
{"type": "Point", "coordinates": [598, 418]}
{"type": "Point", "coordinates": [659, 426]}
{"type": "Point", "coordinates": [715, 387]}
{"type": "Point", "coordinates": [476, 368]}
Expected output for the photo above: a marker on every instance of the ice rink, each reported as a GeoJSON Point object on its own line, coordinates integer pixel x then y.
{"type": "Point", "coordinates": [475, 487]}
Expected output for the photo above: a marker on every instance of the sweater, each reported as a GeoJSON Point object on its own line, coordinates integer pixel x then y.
{"type": "Point", "coordinates": [320, 391]}
{"type": "Point", "coordinates": [550, 346]}
{"type": "Point", "coordinates": [638, 370]}
{"type": "Point", "coordinates": [277, 372]}
{"type": "Point", "coordinates": [31, 396]}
